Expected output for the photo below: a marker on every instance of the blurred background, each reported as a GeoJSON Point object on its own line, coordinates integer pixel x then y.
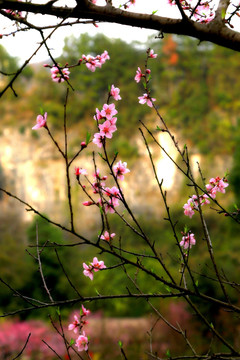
{"type": "Point", "coordinates": [197, 90]}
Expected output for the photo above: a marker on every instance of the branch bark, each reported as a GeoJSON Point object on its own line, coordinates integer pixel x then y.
{"type": "Point", "coordinates": [216, 31]}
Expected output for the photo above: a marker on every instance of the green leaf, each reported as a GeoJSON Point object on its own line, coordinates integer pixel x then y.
{"type": "Point", "coordinates": [88, 137]}
{"type": "Point", "coordinates": [212, 326]}
{"type": "Point", "coordinates": [223, 13]}
{"type": "Point", "coordinates": [185, 229]}
{"type": "Point", "coordinates": [41, 111]}
{"type": "Point", "coordinates": [58, 311]}
{"type": "Point", "coordinates": [168, 353]}
{"type": "Point", "coordinates": [97, 292]}
{"type": "Point", "coordinates": [158, 128]}
{"type": "Point", "coordinates": [196, 283]}
{"type": "Point", "coordinates": [154, 12]}
{"type": "Point", "coordinates": [101, 210]}
{"type": "Point", "coordinates": [120, 343]}
{"type": "Point", "coordinates": [72, 341]}
{"type": "Point", "coordinates": [168, 289]}
{"type": "Point", "coordinates": [100, 155]}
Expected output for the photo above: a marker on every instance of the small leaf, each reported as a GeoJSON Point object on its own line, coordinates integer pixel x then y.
{"type": "Point", "coordinates": [109, 88]}
{"type": "Point", "coordinates": [101, 210]}
{"type": "Point", "coordinates": [168, 289]}
{"type": "Point", "coordinates": [212, 326]}
{"type": "Point", "coordinates": [97, 292]}
{"type": "Point", "coordinates": [154, 12]}
{"type": "Point", "coordinates": [116, 153]}
{"type": "Point", "coordinates": [120, 343]}
{"type": "Point", "coordinates": [185, 229]}
{"type": "Point", "coordinates": [158, 128]}
{"type": "Point", "coordinates": [41, 111]}
{"type": "Point", "coordinates": [223, 13]}
{"type": "Point", "coordinates": [235, 206]}
{"type": "Point", "coordinates": [100, 155]}
{"type": "Point", "coordinates": [58, 311]}
{"type": "Point", "coordinates": [185, 146]}
{"type": "Point", "coordinates": [88, 137]}
{"type": "Point", "coordinates": [196, 283]}
{"type": "Point", "coordinates": [72, 341]}
{"type": "Point", "coordinates": [168, 353]}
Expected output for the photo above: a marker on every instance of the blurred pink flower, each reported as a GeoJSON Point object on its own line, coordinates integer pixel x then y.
{"type": "Point", "coordinates": [59, 76]}
{"type": "Point", "coordinates": [108, 111]}
{"type": "Point", "coordinates": [120, 169]}
{"type": "Point", "coordinates": [106, 236]}
{"type": "Point", "coordinates": [82, 342]}
{"type": "Point", "coordinates": [146, 99]}
{"type": "Point", "coordinates": [41, 121]}
{"type": "Point", "coordinates": [107, 129]}
{"type": "Point", "coordinates": [75, 325]}
{"type": "Point", "coordinates": [115, 93]}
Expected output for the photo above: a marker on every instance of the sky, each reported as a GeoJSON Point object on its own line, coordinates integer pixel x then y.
{"type": "Point", "coordinates": [22, 45]}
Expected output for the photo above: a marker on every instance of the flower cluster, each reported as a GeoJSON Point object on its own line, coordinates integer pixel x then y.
{"type": "Point", "coordinates": [109, 197]}
{"type": "Point", "coordinates": [59, 75]}
{"type": "Point", "coordinates": [93, 62]}
{"type": "Point", "coordinates": [146, 98]}
{"type": "Point", "coordinates": [203, 13]}
{"type": "Point", "coordinates": [215, 185]}
{"type": "Point", "coordinates": [188, 240]}
{"type": "Point", "coordinates": [77, 325]}
{"type": "Point", "coordinates": [93, 267]}
{"type": "Point", "coordinates": [107, 115]}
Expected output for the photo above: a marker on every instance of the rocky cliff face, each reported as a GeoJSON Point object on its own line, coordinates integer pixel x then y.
{"type": "Point", "coordinates": [33, 170]}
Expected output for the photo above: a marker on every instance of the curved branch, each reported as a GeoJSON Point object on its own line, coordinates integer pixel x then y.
{"type": "Point", "coordinates": [216, 31]}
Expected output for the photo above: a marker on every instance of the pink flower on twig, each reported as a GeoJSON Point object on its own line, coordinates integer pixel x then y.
{"type": "Point", "coordinates": [59, 75]}
{"type": "Point", "coordinates": [107, 237]}
{"type": "Point", "coordinates": [41, 122]}
{"type": "Point", "coordinates": [146, 99]}
{"type": "Point", "coordinates": [120, 169]}
{"type": "Point", "coordinates": [75, 325]}
{"type": "Point", "coordinates": [115, 93]}
{"type": "Point", "coordinates": [107, 129]}
{"type": "Point", "coordinates": [188, 241]}
{"type": "Point", "coordinates": [82, 342]}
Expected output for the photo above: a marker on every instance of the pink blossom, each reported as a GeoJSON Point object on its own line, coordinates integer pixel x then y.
{"type": "Point", "coordinates": [82, 342]}
{"type": "Point", "coordinates": [106, 236]}
{"type": "Point", "coordinates": [187, 241]}
{"type": "Point", "coordinates": [88, 271]}
{"type": "Point", "coordinates": [41, 121]}
{"type": "Point", "coordinates": [146, 99]}
{"type": "Point", "coordinates": [138, 75]}
{"type": "Point", "coordinates": [85, 312]}
{"type": "Point", "coordinates": [75, 325]}
{"type": "Point", "coordinates": [108, 111]}
{"type": "Point", "coordinates": [83, 144]}
{"type": "Point", "coordinates": [216, 185]}
{"type": "Point", "coordinates": [115, 93]}
{"type": "Point", "coordinates": [107, 129]}
{"type": "Point", "coordinates": [58, 76]}
{"type": "Point", "coordinates": [79, 171]}
{"type": "Point", "coordinates": [91, 62]}
{"type": "Point", "coordinates": [88, 203]}
{"type": "Point", "coordinates": [98, 115]}
{"type": "Point", "coordinates": [188, 209]}
{"type": "Point", "coordinates": [104, 56]}
{"type": "Point", "coordinates": [120, 169]}
{"type": "Point", "coordinates": [152, 55]}
{"type": "Point", "coordinates": [98, 265]}
{"type": "Point", "coordinates": [98, 139]}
